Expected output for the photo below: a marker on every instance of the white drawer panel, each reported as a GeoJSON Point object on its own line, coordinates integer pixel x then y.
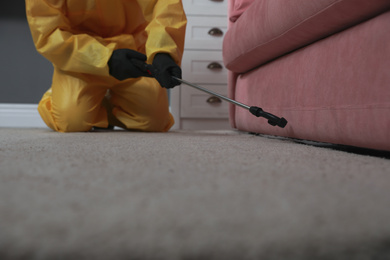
{"type": "Point", "coordinates": [197, 104]}
{"type": "Point", "coordinates": [203, 32]}
{"type": "Point", "coordinates": [206, 7]}
{"type": "Point", "coordinates": [198, 66]}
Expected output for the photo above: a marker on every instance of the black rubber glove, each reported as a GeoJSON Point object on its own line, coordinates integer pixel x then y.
{"type": "Point", "coordinates": [164, 68]}
{"type": "Point", "coordinates": [121, 64]}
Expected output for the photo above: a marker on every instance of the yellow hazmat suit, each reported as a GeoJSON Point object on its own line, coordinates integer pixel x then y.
{"type": "Point", "coordinates": [79, 36]}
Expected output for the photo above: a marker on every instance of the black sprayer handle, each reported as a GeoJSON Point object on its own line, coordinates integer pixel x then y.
{"type": "Point", "coordinates": [144, 67]}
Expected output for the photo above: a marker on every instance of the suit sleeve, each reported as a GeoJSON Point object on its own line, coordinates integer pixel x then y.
{"type": "Point", "coordinates": [67, 50]}
{"type": "Point", "coordinates": [166, 30]}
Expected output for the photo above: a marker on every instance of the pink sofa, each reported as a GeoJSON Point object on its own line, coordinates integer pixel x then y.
{"type": "Point", "coordinates": [323, 65]}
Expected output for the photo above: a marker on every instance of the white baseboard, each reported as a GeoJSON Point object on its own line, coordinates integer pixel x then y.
{"type": "Point", "coordinates": [20, 115]}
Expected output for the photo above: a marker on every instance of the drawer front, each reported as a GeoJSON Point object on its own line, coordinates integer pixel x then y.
{"type": "Point", "coordinates": [205, 7]}
{"type": "Point", "coordinates": [205, 32]}
{"type": "Point", "coordinates": [204, 67]}
{"type": "Point", "coordinates": [198, 104]}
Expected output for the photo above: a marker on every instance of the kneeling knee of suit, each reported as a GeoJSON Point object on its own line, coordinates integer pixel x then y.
{"type": "Point", "coordinates": [159, 125]}
{"type": "Point", "coordinates": [73, 120]}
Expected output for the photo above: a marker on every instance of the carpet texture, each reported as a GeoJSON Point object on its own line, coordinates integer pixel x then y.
{"type": "Point", "coordinates": [188, 195]}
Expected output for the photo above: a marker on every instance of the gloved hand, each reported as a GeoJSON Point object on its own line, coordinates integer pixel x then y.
{"type": "Point", "coordinates": [121, 64]}
{"type": "Point", "coordinates": [164, 68]}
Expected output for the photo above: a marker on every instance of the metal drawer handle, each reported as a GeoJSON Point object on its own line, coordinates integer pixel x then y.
{"type": "Point", "coordinates": [216, 32]}
{"type": "Point", "coordinates": [216, 0]}
{"type": "Point", "coordinates": [214, 66]}
{"type": "Point", "coordinates": [214, 100]}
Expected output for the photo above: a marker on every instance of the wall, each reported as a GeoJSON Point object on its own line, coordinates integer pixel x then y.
{"type": "Point", "coordinates": [25, 75]}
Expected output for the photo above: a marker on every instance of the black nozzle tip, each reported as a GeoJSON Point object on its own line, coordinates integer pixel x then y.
{"type": "Point", "coordinates": [272, 119]}
{"type": "Point", "coordinates": [282, 122]}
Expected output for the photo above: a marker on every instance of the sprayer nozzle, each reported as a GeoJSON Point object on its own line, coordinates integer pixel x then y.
{"type": "Point", "coordinates": [272, 119]}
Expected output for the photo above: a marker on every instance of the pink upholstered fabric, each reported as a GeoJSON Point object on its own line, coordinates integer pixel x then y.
{"type": "Point", "coordinates": [237, 8]}
{"type": "Point", "coordinates": [336, 90]}
{"type": "Point", "coordinates": [271, 28]}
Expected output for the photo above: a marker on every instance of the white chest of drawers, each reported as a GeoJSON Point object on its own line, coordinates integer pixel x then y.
{"type": "Point", "coordinates": [202, 64]}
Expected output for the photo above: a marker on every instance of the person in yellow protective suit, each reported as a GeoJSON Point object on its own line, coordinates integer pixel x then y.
{"type": "Point", "coordinates": [92, 45]}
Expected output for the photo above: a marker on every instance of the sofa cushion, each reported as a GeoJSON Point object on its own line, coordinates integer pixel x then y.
{"type": "Point", "coordinates": [237, 7]}
{"type": "Point", "coordinates": [268, 29]}
{"type": "Point", "coordinates": [335, 90]}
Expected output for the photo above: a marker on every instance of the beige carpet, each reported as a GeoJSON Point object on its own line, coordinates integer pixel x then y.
{"type": "Point", "coordinates": [188, 195]}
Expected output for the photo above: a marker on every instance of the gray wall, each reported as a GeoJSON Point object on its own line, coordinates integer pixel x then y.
{"type": "Point", "coordinates": [24, 74]}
